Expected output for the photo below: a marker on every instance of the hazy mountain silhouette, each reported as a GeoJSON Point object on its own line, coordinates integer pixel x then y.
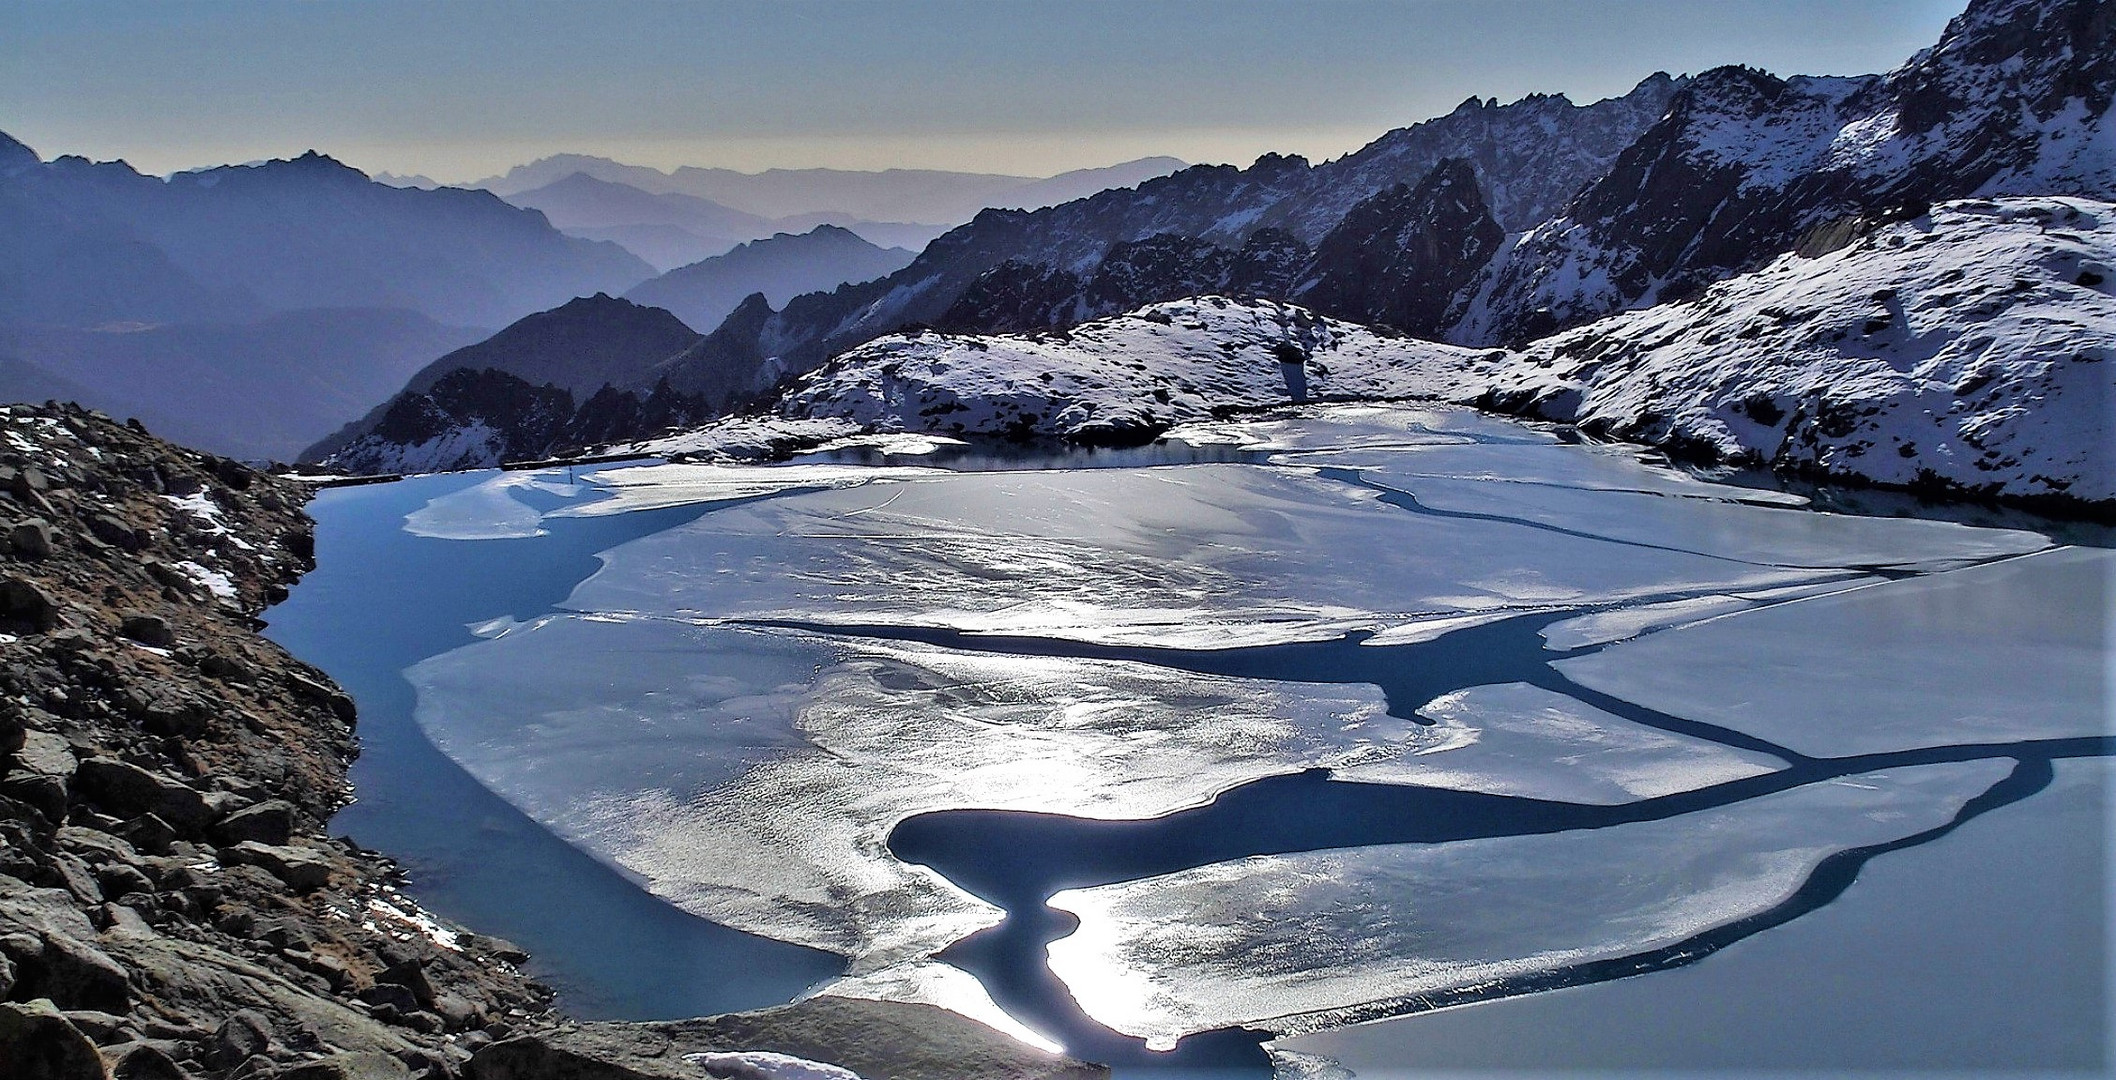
{"type": "Point", "coordinates": [84, 244]}
{"type": "Point", "coordinates": [259, 390]}
{"type": "Point", "coordinates": [901, 195]}
{"type": "Point", "coordinates": [781, 267]}
{"type": "Point", "coordinates": [667, 230]}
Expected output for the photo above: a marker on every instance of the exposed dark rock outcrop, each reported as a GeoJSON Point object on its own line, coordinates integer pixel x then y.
{"type": "Point", "coordinates": [1398, 258]}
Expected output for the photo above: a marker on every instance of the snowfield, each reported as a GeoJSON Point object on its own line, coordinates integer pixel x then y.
{"type": "Point", "coordinates": [1126, 378]}
{"type": "Point", "coordinates": [1969, 349]}
{"type": "Point", "coordinates": [1972, 347]}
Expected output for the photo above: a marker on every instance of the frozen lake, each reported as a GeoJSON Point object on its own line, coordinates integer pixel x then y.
{"type": "Point", "coordinates": [1292, 724]}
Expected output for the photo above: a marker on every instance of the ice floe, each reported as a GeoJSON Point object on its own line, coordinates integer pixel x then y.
{"type": "Point", "coordinates": [2002, 652]}
{"type": "Point", "coordinates": [1517, 739]}
{"type": "Point", "coordinates": [753, 776]}
{"type": "Point", "coordinates": [1205, 556]}
{"type": "Point", "coordinates": [1260, 939]}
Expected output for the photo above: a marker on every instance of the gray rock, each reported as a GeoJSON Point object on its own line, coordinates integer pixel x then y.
{"type": "Point", "coordinates": [26, 601]}
{"type": "Point", "coordinates": [302, 870]}
{"type": "Point", "coordinates": [113, 530]}
{"type": "Point", "coordinates": [394, 995]}
{"type": "Point", "coordinates": [142, 1061]}
{"type": "Point", "coordinates": [96, 846]}
{"type": "Point", "coordinates": [148, 832]}
{"type": "Point", "coordinates": [45, 754]}
{"type": "Point", "coordinates": [37, 1043]}
{"type": "Point", "coordinates": [117, 879]}
{"type": "Point", "coordinates": [31, 539]}
{"type": "Point", "coordinates": [102, 1028]}
{"type": "Point", "coordinates": [129, 791]}
{"type": "Point", "coordinates": [147, 629]}
{"type": "Point", "coordinates": [50, 944]}
{"type": "Point", "coordinates": [368, 1066]}
{"type": "Point", "coordinates": [268, 822]}
{"type": "Point", "coordinates": [876, 1039]}
{"type": "Point", "coordinates": [244, 1034]}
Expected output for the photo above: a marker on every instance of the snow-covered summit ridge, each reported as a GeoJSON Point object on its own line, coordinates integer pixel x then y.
{"type": "Point", "coordinates": [1125, 378]}
{"type": "Point", "coordinates": [1971, 348]}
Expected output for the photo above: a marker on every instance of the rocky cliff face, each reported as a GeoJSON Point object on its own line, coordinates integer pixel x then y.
{"type": "Point", "coordinates": [170, 905]}
{"type": "Point", "coordinates": [2013, 100]}
{"type": "Point", "coordinates": [1399, 257]}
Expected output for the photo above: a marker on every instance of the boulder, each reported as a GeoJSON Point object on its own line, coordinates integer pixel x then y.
{"type": "Point", "coordinates": [301, 869]}
{"type": "Point", "coordinates": [23, 600]}
{"type": "Point", "coordinates": [113, 530]}
{"type": "Point", "coordinates": [268, 822]}
{"type": "Point", "coordinates": [37, 1043]}
{"type": "Point", "coordinates": [148, 629]}
{"type": "Point", "coordinates": [142, 1061]}
{"type": "Point", "coordinates": [367, 1066]}
{"type": "Point", "coordinates": [31, 539]}
{"type": "Point", "coordinates": [243, 1035]}
{"type": "Point", "coordinates": [126, 790]}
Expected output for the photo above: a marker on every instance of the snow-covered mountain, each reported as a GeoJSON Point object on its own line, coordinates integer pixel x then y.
{"type": "Point", "coordinates": [1815, 310]}
{"type": "Point", "coordinates": [1970, 348]}
{"type": "Point", "coordinates": [1533, 153]}
{"type": "Point", "coordinates": [2013, 100]}
{"type": "Point", "coordinates": [1123, 379]}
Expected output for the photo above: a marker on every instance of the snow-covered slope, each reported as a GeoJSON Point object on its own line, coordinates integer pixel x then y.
{"type": "Point", "coordinates": [1973, 347]}
{"type": "Point", "coordinates": [2013, 100]}
{"type": "Point", "coordinates": [1125, 379]}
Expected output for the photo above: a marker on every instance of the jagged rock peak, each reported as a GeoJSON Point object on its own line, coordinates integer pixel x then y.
{"type": "Point", "coordinates": [1400, 256]}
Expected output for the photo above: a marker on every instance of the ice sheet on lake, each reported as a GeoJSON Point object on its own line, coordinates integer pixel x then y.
{"type": "Point", "coordinates": [1583, 467]}
{"type": "Point", "coordinates": [1621, 624]}
{"type": "Point", "coordinates": [1359, 426]}
{"type": "Point", "coordinates": [653, 487]}
{"type": "Point", "coordinates": [1262, 938]}
{"type": "Point", "coordinates": [2008, 651]}
{"type": "Point", "coordinates": [753, 776]}
{"type": "Point", "coordinates": [1201, 556]}
{"type": "Point", "coordinates": [1763, 534]}
{"type": "Point", "coordinates": [1517, 739]}
{"type": "Point", "coordinates": [488, 510]}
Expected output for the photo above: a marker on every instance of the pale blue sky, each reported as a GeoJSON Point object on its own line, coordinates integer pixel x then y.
{"type": "Point", "coordinates": [463, 89]}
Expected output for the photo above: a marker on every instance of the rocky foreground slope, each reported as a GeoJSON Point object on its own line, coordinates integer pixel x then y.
{"type": "Point", "coordinates": [171, 907]}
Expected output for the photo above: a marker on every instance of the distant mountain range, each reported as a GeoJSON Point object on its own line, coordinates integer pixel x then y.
{"type": "Point", "coordinates": [259, 390]}
{"type": "Point", "coordinates": [779, 267]}
{"type": "Point", "coordinates": [1496, 227]}
{"type": "Point", "coordinates": [250, 309]}
{"type": "Point", "coordinates": [903, 195]}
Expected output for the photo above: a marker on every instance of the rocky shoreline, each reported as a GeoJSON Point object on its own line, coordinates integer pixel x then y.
{"type": "Point", "coordinates": [172, 906]}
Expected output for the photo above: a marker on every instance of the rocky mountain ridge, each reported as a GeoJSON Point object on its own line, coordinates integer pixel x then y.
{"type": "Point", "coordinates": [1965, 350]}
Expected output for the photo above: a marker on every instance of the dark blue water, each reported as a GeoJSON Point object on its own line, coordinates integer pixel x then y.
{"type": "Point", "coordinates": [381, 600]}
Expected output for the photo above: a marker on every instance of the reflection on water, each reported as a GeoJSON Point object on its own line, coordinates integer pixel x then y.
{"type": "Point", "coordinates": [863, 734]}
